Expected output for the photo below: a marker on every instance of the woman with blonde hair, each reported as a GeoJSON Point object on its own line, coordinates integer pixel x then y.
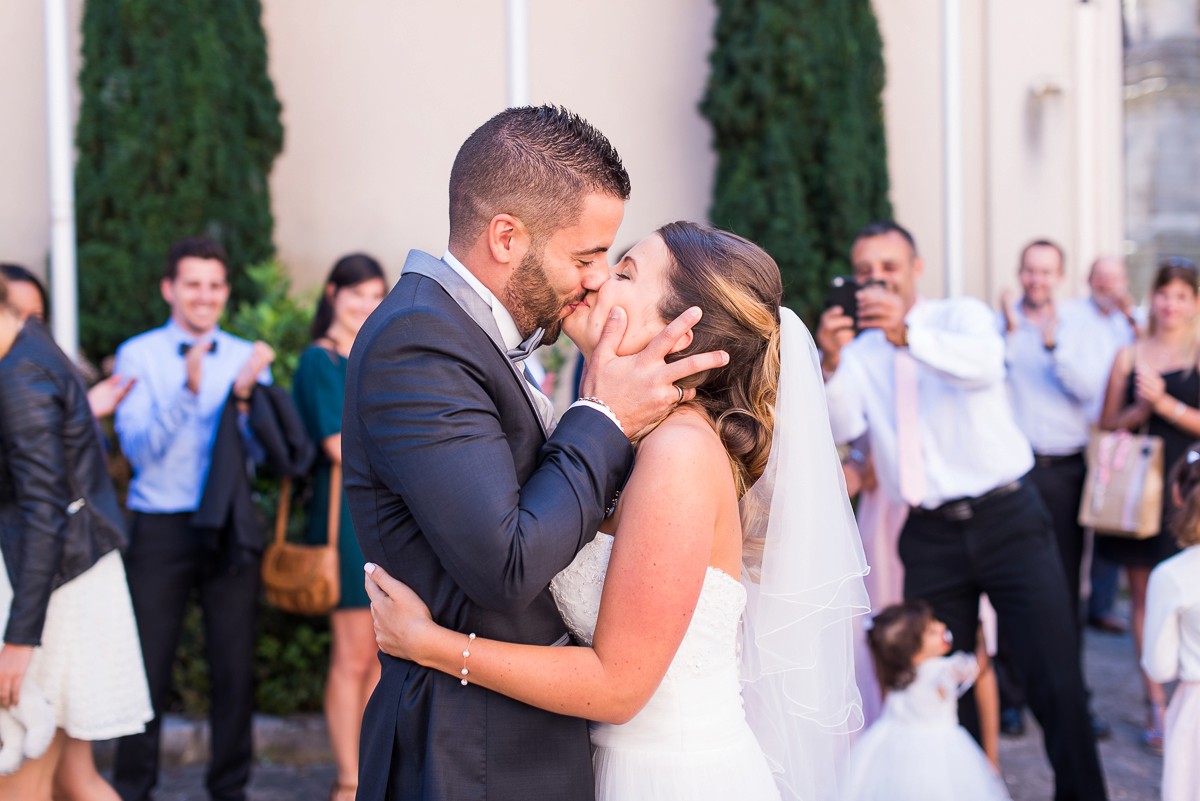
{"type": "Point", "coordinates": [1154, 387]}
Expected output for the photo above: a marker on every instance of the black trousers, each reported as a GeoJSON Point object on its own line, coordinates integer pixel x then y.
{"type": "Point", "coordinates": [1059, 483]}
{"type": "Point", "coordinates": [168, 559]}
{"type": "Point", "coordinates": [1007, 549]}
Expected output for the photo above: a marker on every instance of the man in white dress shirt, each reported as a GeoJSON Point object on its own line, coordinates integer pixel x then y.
{"type": "Point", "coordinates": [926, 381]}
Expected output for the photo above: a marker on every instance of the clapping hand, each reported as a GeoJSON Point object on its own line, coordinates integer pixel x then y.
{"type": "Point", "coordinates": [1008, 304]}
{"type": "Point", "coordinates": [260, 359]}
{"type": "Point", "coordinates": [105, 396]}
{"type": "Point", "coordinates": [1149, 386]}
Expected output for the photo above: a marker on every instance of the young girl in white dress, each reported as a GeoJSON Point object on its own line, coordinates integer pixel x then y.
{"type": "Point", "coordinates": [713, 615]}
{"type": "Point", "coordinates": [917, 751]}
{"type": "Point", "coordinates": [1171, 639]}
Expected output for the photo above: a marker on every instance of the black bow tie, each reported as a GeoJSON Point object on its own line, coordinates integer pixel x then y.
{"type": "Point", "coordinates": [521, 352]}
{"type": "Point", "coordinates": [184, 347]}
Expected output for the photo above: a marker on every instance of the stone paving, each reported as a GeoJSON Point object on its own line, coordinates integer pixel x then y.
{"type": "Point", "coordinates": [1133, 775]}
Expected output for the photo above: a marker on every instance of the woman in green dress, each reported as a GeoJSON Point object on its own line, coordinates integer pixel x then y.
{"type": "Point", "coordinates": [354, 288]}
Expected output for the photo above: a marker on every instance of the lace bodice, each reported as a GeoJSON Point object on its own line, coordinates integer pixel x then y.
{"type": "Point", "coordinates": [711, 641]}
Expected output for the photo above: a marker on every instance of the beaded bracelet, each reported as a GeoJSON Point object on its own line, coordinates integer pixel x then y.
{"type": "Point", "coordinates": [466, 655]}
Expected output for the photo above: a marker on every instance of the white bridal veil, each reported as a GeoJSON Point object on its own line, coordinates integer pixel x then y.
{"type": "Point", "coordinates": [803, 569]}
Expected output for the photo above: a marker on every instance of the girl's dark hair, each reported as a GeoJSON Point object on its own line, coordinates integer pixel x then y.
{"type": "Point", "coordinates": [895, 638]}
{"type": "Point", "coordinates": [738, 287]}
{"type": "Point", "coordinates": [349, 270]}
{"type": "Point", "coordinates": [15, 273]}
{"type": "Point", "coordinates": [1185, 475]}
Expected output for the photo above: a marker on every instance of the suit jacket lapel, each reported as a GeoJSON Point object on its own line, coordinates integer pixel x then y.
{"type": "Point", "coordinates": [469, 301]}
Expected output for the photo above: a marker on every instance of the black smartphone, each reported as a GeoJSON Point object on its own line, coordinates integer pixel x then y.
{"type": "Point", "coordinates": [843, 291]}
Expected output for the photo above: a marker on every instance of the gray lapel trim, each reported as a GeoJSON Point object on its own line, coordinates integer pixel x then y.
{"type": "Point", "coordinates": [468, 299]}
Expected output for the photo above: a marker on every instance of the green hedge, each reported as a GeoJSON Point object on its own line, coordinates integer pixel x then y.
{"type": "Point", "coordinates": [178, 129]}
{"type": "Point", "coordinates": [794, 101]}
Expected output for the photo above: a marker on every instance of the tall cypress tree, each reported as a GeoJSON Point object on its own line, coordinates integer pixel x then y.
{"type": "Point", "coordinates": [794, 101]}
{"type": "Point", "coordinates": [178, 129]}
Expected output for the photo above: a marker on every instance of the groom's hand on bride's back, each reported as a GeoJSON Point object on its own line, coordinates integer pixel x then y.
{"type": "Point", "coordinates": [640, 389]}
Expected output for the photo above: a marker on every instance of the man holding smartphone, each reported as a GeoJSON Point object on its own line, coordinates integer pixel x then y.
{"type": "Point", "coordinates": [926, 382]}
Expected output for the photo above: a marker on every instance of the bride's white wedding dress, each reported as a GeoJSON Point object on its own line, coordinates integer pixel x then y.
{"type": "Point", "coordinates": [691, 742]}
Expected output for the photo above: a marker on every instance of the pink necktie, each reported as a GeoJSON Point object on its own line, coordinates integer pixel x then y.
{"type": "Point", "coordinates": [908, 430]}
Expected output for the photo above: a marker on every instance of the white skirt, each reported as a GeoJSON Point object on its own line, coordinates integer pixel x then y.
{"type": "Point", "coordinates": [1181, 744]}
{"type": "Point", "coordinates": [89, 664]}
{"type": "Point", "coordinates": [737, 771]}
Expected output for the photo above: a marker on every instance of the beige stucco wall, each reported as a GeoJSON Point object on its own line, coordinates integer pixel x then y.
{"type": "Point", "coordinates": [1037, 78]}
{"type": "Point", "coordinates": [24, 169]}
{"type": "Point", "coordinates": [378, 95]}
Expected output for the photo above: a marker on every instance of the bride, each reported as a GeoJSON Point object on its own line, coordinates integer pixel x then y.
{"type": "Point", "coordinates": [713, 613]}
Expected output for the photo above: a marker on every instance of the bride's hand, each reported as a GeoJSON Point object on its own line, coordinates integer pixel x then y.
{"type": "Point", "coordinates": [399, 614]}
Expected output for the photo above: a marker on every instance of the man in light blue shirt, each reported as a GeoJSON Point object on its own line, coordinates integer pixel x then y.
{"type": "Point", "coordinates": [185, 372]}
{"type": "Point", "coordinates": [1058, 357]}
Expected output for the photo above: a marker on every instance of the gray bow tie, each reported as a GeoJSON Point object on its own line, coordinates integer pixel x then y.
{"type": "Point", "coordinates": [521, 352]}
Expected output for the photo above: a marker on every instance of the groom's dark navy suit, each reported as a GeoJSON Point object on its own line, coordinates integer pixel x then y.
{"type": "Point", "coordinates": [455, 489]}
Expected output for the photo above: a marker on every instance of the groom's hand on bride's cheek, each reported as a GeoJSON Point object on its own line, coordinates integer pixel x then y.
{"type": "Point", "coordinates": [640, 388]}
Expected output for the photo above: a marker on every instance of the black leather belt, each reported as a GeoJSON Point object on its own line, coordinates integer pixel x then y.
{"type": "Point", "coordinates": [1049, 460]}
{"type": "Point", "coordinates": [961, 509]}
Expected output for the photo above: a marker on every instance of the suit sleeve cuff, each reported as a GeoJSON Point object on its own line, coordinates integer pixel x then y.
{"type": "Point", "coordinates": [604, 410]}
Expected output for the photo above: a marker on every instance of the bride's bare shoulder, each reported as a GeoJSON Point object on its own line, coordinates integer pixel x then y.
{"type": "Point", "coordinates": [685, 438]}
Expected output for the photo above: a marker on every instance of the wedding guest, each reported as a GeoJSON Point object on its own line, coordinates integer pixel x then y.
{"type": "Point", "coordinates": [354, 288]}
{"type": "Point", "coordinates": [1057, 357]}
{"type": "Point", "coordinates": [925, 381]}
{"type": "Point", "coordinates": [1154, 387]}
{"type": "Point", "coordinates": [187, 371]}
{"type": "Point", "coordinates": [1171, 648]}
{"type": "Point", "coordinates": [1110, 304]}
{"type": "Point", "coordinates": [917, 751]}
{"type": "Point", "coordinates": [27, 297]}
{"type": "Point", "coordinates": [26, 293]}
{"type": "Point", "coordinates": [68, 623]}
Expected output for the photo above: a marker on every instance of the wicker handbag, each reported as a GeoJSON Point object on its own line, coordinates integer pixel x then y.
{"type": "Point", "coordinates": [298, 578]}
{"type": "Point", "coordinates": [1123, 493]}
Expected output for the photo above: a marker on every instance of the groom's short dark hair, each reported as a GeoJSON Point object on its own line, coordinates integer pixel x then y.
{"type": "Point", "coordinates": [537, 163]}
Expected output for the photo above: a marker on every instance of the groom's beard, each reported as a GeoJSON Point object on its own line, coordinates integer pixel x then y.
{"type": "Point", "coordinates": [531, 300]}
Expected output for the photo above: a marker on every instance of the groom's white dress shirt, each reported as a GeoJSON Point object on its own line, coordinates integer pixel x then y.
{"type": "Point", "coordinates": [969, 441]}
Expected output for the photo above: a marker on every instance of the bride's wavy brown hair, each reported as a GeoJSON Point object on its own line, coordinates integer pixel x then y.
{"type": "Point", "coordinates": [737, 285]}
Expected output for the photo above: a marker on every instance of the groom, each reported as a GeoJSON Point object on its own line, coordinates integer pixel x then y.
{"type": "Point", "coordinates": [454, 483]}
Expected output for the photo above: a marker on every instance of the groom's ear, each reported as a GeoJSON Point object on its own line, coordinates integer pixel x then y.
{"type": "Point", "coordinates": [507, 239]}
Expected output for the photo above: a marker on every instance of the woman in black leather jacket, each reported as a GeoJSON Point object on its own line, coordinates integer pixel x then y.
{"type": "Point", "coordinates": [69, 631]}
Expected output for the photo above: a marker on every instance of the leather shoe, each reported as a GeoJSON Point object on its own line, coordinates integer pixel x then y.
{"type": "Point", "coordinates": [1109, 624]}
{"type": "Point", "coordinates": [1012, 722]}
{"type": "Point", "coordinates": [1100, 727]}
